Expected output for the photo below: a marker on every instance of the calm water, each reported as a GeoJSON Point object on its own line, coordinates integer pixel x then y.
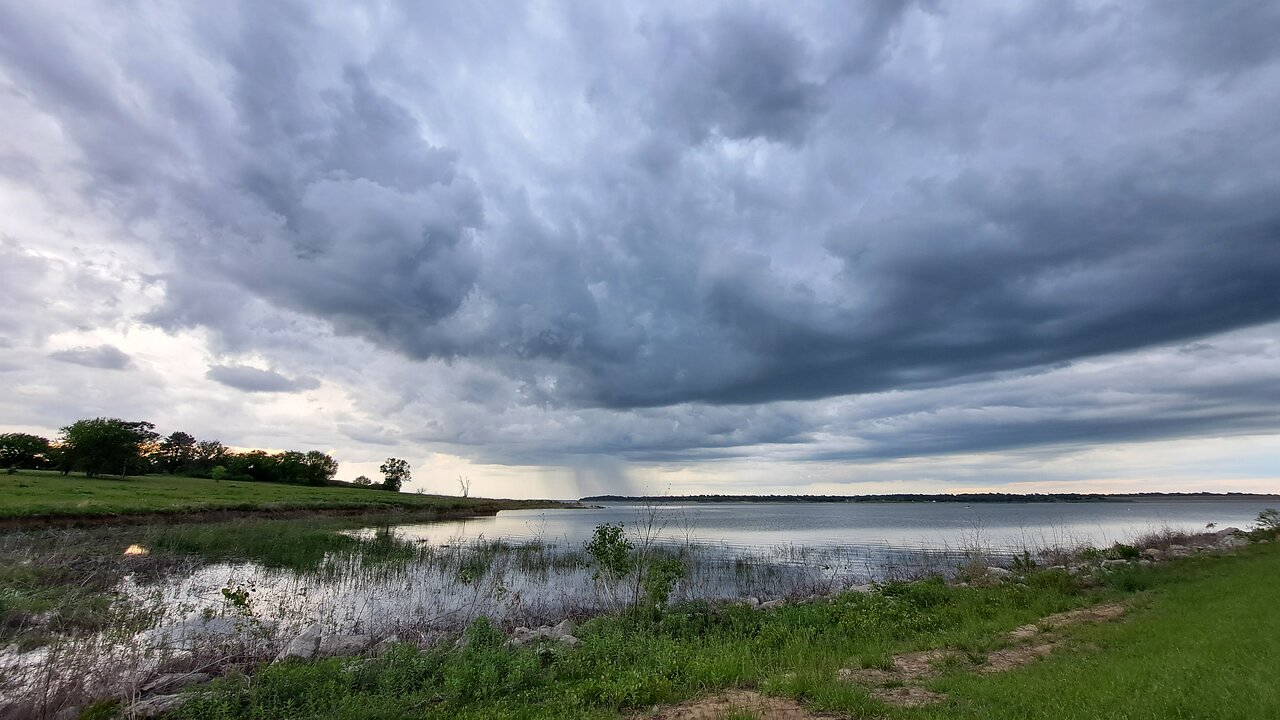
{"type": "Point", "coordinates": [767, 526]}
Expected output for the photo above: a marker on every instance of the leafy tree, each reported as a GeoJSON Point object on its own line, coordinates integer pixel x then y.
{"type": "Point", "coordinates": [207, 455]}
{"type": "Point", "coordinates": [253, 465]}
{"type": "Point", "coordinates": [291, 467]}
{"type": "Point", "coordinates": [218, 472]}
{"type": "Point", "coordinates": [23, 450]}
{"type": "Point", "coordinates": [104, 445]}
{"type": "Point", "coordinates": [177, 452]}
{"type": "Point", "coordinates": [320, 468]}
{"type": "Point", "coordinates": [395, 473]}
{"type": "Point", "coordinates": [363, 481]}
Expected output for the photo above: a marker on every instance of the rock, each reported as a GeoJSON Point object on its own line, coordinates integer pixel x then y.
{"type": "Point", "coordinates": [772, 604]}
{"type": "Point", "coordinates": [1227, 532]}
{"type": "Point", "coordinates": [861, 588]}
{"type": "Point", "coordinates": [304, 645]}
{"type": "Point", "coordinates": [1145, 563]}
{"type": "Point", "coordinates": [1178, 551]}
{"type": "Point", "coordinates": [338, 645]}
{"type": "Point", "coordinates": [998, 572]}
{"type": "Point", "coordinates": [1231, 542]}
{"type": "Point", "coordinates": [166, 683]}
{"type": "Point", "coordinates": [1153, 554]}
{"type": "Point", "coordinates": [751, 602]}
{"type": "Point", "coordinates": [155, 706]}
{"type": "Point", "coordinates": [1116, 562]}
{"type": "Point", "coordinates": [384, 645]}
{"type": "Point", "coordinates": [1056, 568]}
{"type": "Point", "coordinates": [522, 636]}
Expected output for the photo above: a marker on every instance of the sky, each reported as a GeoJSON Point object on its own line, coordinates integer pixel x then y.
{"type": "Point", "coordinates": [567, 248]}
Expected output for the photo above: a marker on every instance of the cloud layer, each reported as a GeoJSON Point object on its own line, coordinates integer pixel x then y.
{"type": "Point", "coordinates": [651, 233]}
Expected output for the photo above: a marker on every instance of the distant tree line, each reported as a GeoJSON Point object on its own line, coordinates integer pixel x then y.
{"type": "Point", "coordinates": [111, 446]}
{"type": "Point", "coordinates": [114, 447]}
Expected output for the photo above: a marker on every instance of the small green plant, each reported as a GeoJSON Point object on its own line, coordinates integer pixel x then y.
{"type": "Point", "coordinates": [1126, 578]}
{"type": "Point", "coordinates": [1125, 552]}
{"type": "Point", "coordinates": [611, 550]}
{"type": "Point", "coordinates": [483, 634]}
{"type": "Point", "coordinates": [1024, 564]}
{"type": "Point", "coordinates": [238, 599]}
{"type": "Point", "coordinates": [101, 710]}
{"type": "Point", "coordinates": [218, 473]}
{"type": "Point", "coordinates": [661, 574]}
{"type": "Point", "coordinates": [1266, 526]}
{"type": "Point", "coordinates": [1268, 519]}
{"type": "Point", "coordinates": [1092, 554]}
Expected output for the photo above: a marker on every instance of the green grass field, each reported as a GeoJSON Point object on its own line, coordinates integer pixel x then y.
{"type": "Point", "coordinates": [35, 494]}
{"type": "Point", "coordinates": [1201, 640]}
{"type": "Point", "coordinates": [1204, 642]}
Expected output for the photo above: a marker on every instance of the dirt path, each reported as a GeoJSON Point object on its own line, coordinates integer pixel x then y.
{"type": "Point", "coordinates": [900, 684]}
{"type": "Point", "coordinates": [722, 704]}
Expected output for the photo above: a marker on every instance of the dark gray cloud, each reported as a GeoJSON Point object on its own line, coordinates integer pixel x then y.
{"type": "Point", "coordinates": [251, 379]}
{"type": "Point", "coordinates": [659, 231]}
{"type": "Point", "coordinates": [105, 357]}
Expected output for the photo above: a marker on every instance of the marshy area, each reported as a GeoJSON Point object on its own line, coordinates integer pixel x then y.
{"type": "Point", "coordinates": [102, 614]}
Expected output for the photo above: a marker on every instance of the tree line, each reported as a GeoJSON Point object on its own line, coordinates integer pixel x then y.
{"type": "Point", "coordinates": [111, 446]}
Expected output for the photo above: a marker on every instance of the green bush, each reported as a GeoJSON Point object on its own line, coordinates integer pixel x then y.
{"type": "Point", "coordinates": [1125, 552]}
{"type": "Point", "coordinates": [611, 550]}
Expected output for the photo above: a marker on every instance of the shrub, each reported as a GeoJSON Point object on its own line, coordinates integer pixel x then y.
{"type": "Point", "coordinates": [611, 550]}
{"type": "Point", "coordinates": [1024, 563]}
{"type": "Point", "coordinates": [1125, 552]}
{"type": "Point", "coordinates": [1269, 519]}
{"type": "Point", "coordinates": [1092, 554]}
{"type": "Point", "coordinates": [660, 577]}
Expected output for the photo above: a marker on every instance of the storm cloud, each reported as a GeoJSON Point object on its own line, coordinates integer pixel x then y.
{"type": "Point", "coordinates": [251, 379]}
{"type": "Point", "coordinates": [104, 357]}
{"type": "Point", "coordinates": [664, 233]}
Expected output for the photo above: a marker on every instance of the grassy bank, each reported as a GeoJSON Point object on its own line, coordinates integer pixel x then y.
{"type": "Point", "coordinates": [1200, 639]}
{"type": "Point", "coordinates": [33, 497]}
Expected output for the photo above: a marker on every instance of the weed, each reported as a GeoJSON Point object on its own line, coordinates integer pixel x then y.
{"type": "Point", "coordinates": [1125, 552]}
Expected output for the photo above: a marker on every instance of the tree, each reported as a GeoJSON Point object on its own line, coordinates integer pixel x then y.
{"type": "Point", "coordinates": [23, 450]}
{"type": "Point", "coordinates": [209, 454]}
{"type": "Point", "coordinates": [177, 452]}
{"type": "Point", "coordinates": [291, 467]}
{"type": "Point", "coordinates": [464, 484]}
{"type": "Point", "coordinates": [395, 473]}
{"type": "Point", "coordinates": [320, 468]}
{"type": "Point", "coordinates": [104, 445]}
{"type": "Point", "coordinates": [363, 481]}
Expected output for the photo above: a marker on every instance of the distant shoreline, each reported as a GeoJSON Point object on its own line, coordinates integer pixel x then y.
{"type": "Point", "coordinates": [969, 498]}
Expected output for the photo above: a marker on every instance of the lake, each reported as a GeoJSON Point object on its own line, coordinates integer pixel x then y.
{"type": "Point", "coordinates": [529, 566]}
{"type": "Point", "coordinates": [766, 526]}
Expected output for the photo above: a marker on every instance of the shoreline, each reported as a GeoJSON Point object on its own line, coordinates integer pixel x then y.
{"type": "Point", "coordinates": [927, 499]}
{"type": "Point", "coordinates": [300, 512]}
